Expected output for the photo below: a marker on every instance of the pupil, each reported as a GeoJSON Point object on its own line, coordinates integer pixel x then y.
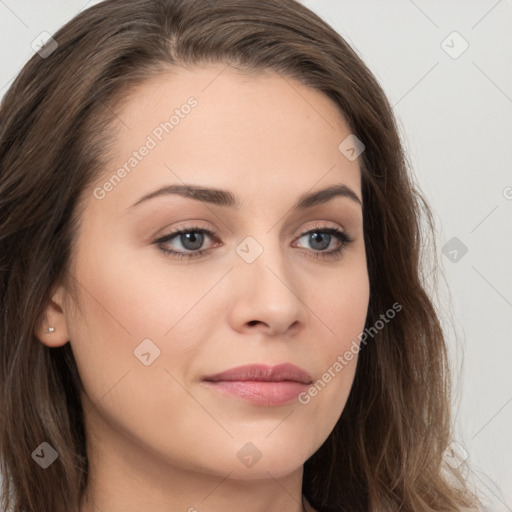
{"type": "Point", "coordinates": [318, 236]}
{"type": "Point", "coordinates": [192, 240]}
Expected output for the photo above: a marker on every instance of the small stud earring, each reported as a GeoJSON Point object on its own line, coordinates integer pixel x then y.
{"type": "Point", "coordinates": [50, 329]}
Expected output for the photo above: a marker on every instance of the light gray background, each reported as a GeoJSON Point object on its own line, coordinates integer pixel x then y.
{"type": "Point", "coordinates": [455, 116]}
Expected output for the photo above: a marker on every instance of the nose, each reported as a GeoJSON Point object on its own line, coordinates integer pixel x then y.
{"type": "Point", "coordinates": [266, 296]}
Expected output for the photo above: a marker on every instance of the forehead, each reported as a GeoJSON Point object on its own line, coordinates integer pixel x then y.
{"type": "Point", "coordinates": [219, 127]}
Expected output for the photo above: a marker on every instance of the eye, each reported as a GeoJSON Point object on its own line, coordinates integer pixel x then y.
{"type": "Point", "coordinates": [321, 238]}
{"type": "Point", "coordinates": [191, 239]}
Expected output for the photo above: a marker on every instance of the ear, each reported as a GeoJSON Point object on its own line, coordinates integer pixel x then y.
{"type": "Point", "coordinates": [54, 317]}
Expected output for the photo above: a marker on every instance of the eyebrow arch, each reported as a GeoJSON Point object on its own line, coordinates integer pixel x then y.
{"type": "Point", "coordinates": [227, 199]}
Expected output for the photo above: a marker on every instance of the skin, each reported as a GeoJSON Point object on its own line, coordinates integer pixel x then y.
{"type": "Point", "coordinates": [158, 438]}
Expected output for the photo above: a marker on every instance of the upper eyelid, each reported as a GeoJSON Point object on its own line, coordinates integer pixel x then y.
{"type": "Point", "coordinates": [313, 224]}
{"type": "Point", "coordinates": [213, 232]}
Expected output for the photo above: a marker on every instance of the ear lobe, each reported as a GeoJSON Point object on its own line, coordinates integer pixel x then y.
{"type": "Point", "coordinates": [53, 331]}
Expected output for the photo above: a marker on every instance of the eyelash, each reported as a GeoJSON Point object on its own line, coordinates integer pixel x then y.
{"type": "Point", "coordinates": [342, 237]}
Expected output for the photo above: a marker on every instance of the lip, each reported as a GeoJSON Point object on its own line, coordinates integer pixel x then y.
{"type": "Point", "coordinates": [261, 384]}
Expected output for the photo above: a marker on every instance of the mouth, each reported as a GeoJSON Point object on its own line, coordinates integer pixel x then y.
{"type": "Point", "coordinates": [260, 384]}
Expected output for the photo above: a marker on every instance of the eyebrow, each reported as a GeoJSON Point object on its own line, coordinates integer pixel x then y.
{"type": "Point", "coordinates": [227, 199]}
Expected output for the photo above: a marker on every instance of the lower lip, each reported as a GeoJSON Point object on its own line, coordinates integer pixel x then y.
{"type": "Point", "coordinates": [261, 392]}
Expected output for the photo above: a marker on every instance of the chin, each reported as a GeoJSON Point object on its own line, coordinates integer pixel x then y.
{"type": "Point", "coordinates": [259, 459]}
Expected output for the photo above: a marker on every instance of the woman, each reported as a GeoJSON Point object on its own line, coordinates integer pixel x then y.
{"type": "Point", "coordinates": [210, 273]}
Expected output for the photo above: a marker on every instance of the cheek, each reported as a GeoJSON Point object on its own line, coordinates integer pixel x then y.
{"type": "Point", "coordinates": [343, 307]}
{"type": "Point", "coordinates": [121, 307]}
{"type": "Point", "coordinates": [126, 299]}
{"type": "Point", "coordinates": [139, 291]}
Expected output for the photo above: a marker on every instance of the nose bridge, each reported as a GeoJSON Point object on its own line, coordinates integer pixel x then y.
{"type": "Point", "coordinates": [264, 261]}
{"type": "Point", "coordinates": [268, 293]}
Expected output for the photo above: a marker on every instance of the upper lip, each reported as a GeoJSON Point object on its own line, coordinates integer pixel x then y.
{"type": "Point", "coordinates": [263, 373]}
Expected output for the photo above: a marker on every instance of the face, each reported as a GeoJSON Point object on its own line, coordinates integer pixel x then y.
{"type": "Point", "coordinates": [177, 288]}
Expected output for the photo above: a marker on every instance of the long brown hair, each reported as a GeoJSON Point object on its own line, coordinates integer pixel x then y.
{"type": "Point", "coordinates": [386, 451]}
